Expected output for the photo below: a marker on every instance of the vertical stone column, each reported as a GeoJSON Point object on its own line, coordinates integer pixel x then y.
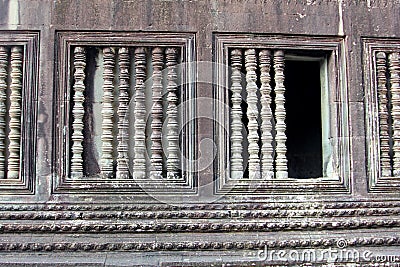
{"type": "Point", "coordinates": [3, 108]}
{"type": "Point", "coordinates": [157, 114]}
{"type": "Point", "coordinates": [139, 161]}
{"type": "Point", "coordinates": [78, 111]}
{"type": "Point", "coordinates": [236, 137]}
{"type": "Point", "coordinates": [252, 113]}
{"type": "Point", "coordinates": [108, 113]}
{"type": "Point", "coordinates": [383, 114]}
{"type": "Point", "coordinates": [123, 122]}
{"type": "Point", "coordinates": [267, 160]}
{"type": "Point", "coordinates": [172, 113]}
{"type": "Point", "coordinates": [394, 69]}
{"type": "Point", "coordinates": [280, 115]}
{"type": "Point", "coordinates": [14, 136]}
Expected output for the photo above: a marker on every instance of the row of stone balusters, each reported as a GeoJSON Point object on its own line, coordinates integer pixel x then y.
{"type": "Point", "coordinates": [388, 87]}
{"type": "Point", "coordinates": [11, 72]}
{"type": "Point", "coordinates": [159, 56]}
{"type": "Point", "coordinates": [259, 166]}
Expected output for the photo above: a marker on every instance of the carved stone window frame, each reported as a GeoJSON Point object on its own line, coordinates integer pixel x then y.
{"type": "Point", "coordinates": [339, 124]}
{"type": "Point", "coordinates": [377, 182]}
{"type": "Point", "coordinates": [29, 41]}
{"type": "Point", "coordinates": [64, 184]}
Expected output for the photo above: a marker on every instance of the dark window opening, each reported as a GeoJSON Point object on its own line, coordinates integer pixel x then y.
{"type": "Point", "coordinates": [303, 119]}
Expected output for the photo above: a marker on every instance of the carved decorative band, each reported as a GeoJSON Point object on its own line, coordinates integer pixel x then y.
{"type": "Point", "coordinates": [196, 245]}
{"type": "Point", "coordinates": [201, 227]}
{"type": "Point", "coordinates": [346, 208]}
{"type": "Point", "coordinates": [146, 212]}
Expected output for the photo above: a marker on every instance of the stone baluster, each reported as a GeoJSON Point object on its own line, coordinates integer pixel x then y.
{"type": "Point", "coordinates": [107, 112]}
{"type": "Point", "coordinates": [123, 123]}
{"type": "Point", "coordinates": [236, 140]}
{"type": "Point", "coordinates": [383, 112]}
{"type": "Point", "coordinates": [280, 115]}
{"type": "Point", "coordinates": [252, 113]}
{"type": "Point", "coordinates": [394, 70]}
{"type": "Point", "coordinates": [267, 151]}
{"type": "Point", "coordinates": [3, 108]}
{"type": "Point", "coordinates": [172, 113]}
{"type": "Point", "coordinates": [139, 160]}
{"type": "Point", "coordinates": [157, 56]}
{"type": "Point", "coordinates": [78, 111]}
{"type": "Point", "coordinates": [14, 136]}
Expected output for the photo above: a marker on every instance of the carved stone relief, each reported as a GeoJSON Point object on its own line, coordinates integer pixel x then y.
{"type": "Point", "coordinates": [382, 72]}
{"type": "Point", "coordinates": [258, 160]}
{"type": "Point", "coordinates": [18, 61]}
{"type": "Point", "coordinates": [132, 92]}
